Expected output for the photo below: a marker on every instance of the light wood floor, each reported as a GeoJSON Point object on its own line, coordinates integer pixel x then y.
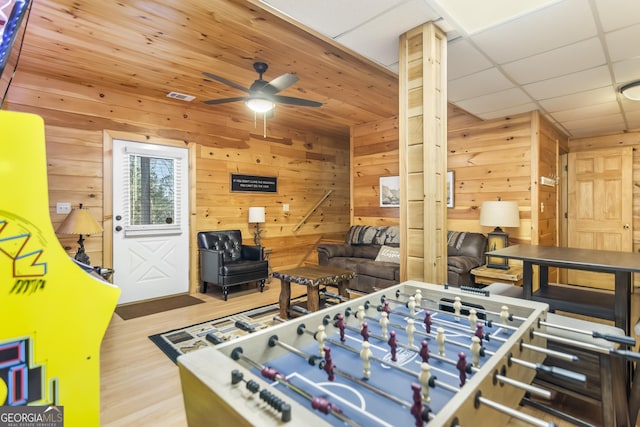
{"type": "Point", "coordinates": [140, 386]}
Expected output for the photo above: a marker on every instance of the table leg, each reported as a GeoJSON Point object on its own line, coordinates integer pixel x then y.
{"type": "Point", "coordinates": [313, 298]}
{"type": "Point", "coordinates": [527, 280]}
{"type": "Point", "coordinates": [343, 285]}
{"type": "Point", "coordinates": [622, 301]}
{"type": "Point", "coordinates": [285, 298]}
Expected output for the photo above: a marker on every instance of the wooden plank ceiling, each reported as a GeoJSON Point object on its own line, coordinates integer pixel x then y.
{"type": "Point", "coordinates": [149, 48]}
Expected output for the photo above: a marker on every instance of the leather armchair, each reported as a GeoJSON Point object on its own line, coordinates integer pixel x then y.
{"type": "Point", "coordinates": [465, 251]}
{"type": "Point", "coordinates": [225, 261]}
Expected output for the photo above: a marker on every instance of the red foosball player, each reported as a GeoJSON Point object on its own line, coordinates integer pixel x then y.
{"type": "Point", "coordinates": [386, 309]}
{"type": "Point", "coordinates": [416, 408]}
{"type": "Point", "coordinates": [462, 367]}
{"type": "Point", "coordinates": [393, 344]}
{"type": "Point", "coordinates": [341, 327]}
{"type": "Point", "coordinates": [427, 321]}
{"type": "Point", "coordinates": [328, 364]}
{"type": "Point", "coordinates": [364, 332]}
{"type": "Point", "coordinates": [424, 351]}
{"type": "Point", "coordinates": [480, 331]}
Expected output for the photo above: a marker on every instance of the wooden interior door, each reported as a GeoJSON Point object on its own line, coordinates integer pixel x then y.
{"type": "Point", "coordinates": [600, 207]}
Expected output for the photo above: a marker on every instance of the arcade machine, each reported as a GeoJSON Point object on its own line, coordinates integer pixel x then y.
{"type": "Point", "coordinates": [53, 313]}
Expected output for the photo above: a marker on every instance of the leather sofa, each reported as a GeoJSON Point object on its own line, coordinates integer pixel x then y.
{"type": "Point", "coordinates": [465, 251]}
{"type": "Point", "coordinates": [363, 244]}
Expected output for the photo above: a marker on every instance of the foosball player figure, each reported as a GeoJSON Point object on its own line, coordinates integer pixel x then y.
{"type": "Point", "coordinates": [440, 338]}
{"type": "Point", "coordinates": [328, 364]}
{"type": "Point", "coordinates": [504, 315]}
{"type": "Point", "coordinates": [418, 297]}
{"type": "Point", "coordinates": [475, 351]}
{"type": "Point", "coordinates": [416, 408]}
{"type": "Point", "coordinates": [341, 327]}
{"type": "Point", "coordinates": [480, 331]}
{"type": "Point", "coordinates": [321, 336]}
{"type": "Point", "coordinates": [473, 318]}
{"type": "Point", "coordinates": [364, 332]}
{"type": "Point", "coordinates": [427, 321]}
{"type": "Point", "coordinates": [386, 308]}
{"type": "Point", "coordinates": [360, 314]}
{"type": "Point", "coordinates": [462, 367]}
{"type": "Point", "coordinates": [384, 324]}
{"type": "Point", "coordinates": [410, 330]}
{"type": "Point", "coordinates": [393, 344]}
{"type": "Point", "coordinates": [365, 355]}
{"type": "Point", "coordinates": [457, 306]}
{"type": "Point", "coordinates": [424, 351]}
{"type": "Point", "coordinates": [425, 374]}
{"type": "Point", "coordinates": [411, 305]}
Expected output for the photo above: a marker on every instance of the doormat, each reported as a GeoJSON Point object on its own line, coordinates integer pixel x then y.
{"type": "Point", "coordinates": [131, 311]}
{"type": "Point", "coordinates": [213, 332]}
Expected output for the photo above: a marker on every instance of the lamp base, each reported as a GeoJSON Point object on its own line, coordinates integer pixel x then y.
{"type": "Point", "coordinates": [81, 255]}
{"type": "Point", "coordinates": [497, 239]}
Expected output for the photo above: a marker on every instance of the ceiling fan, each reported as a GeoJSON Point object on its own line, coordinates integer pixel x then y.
{"type": "Point", "coordinates": [262, 95]}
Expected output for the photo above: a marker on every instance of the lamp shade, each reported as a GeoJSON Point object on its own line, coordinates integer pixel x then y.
{"type": "Point", "coordinates": [256, 214]}
{"type": "Point", "coordinates": [259, 105]}
{"type": "Point", "coordinates": [500, 214]}
{"type": "Point", "coordinates": [79, 221]}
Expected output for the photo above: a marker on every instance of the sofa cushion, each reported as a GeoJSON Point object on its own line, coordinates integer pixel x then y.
{"type": "Point", "coordinates": [376, 235]}
{"type": "Point", "coordinates": [380, 269]}
{"type": "Point", "coordinates": [461, 264]}
{"type": "Point", "coordinates": [365, 251]}
{"type": "Point", "coordinates": [388, 254]}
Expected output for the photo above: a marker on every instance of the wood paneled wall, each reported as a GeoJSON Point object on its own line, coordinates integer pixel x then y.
{"type": "Point", "coordinates": [374, 153]}
{"type": "Point", "coordinates": [307, 165]}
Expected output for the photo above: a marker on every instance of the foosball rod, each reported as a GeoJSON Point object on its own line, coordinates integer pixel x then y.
{"type": "Point", "coordinates": [551, 370]}
{"type": "Point", "coordinates": [320, 404]}
{"type": "Point", "coordinates": [587, 346]}
{"type": "Point", "coordinates": [511, 412]}
{"type": "Point", "coordinates": [557, 354]}
{"type": "Point", "coordinates": [625, 340]}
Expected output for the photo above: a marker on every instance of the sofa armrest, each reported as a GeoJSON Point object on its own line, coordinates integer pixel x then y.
{"type": "Point", "coordinates": [210, 264]}
{"type": "Point", "coordinates": [462, 264]}
{"type": "Point", "coordinates": [326, 251]}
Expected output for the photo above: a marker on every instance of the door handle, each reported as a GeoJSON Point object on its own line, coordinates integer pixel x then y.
{"type": "Point", "coordinates": [626, 226]}
{"type": "Point", "coordinates": [118, 228]}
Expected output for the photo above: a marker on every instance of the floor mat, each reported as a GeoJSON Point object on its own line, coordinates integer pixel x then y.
{"type": "Point", "coordinates": [131, 311]}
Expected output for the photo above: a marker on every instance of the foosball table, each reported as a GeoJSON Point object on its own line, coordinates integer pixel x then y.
{"type": "Point", "coordinates": [412, 354]}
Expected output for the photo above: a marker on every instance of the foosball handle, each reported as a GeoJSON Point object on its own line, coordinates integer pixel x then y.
{"type": "Point", "coordinates": [561, 373]}
{"type": "Point", "coordinates": [615, 338]}
{"type": "Point", "coordinates": [626, 354]}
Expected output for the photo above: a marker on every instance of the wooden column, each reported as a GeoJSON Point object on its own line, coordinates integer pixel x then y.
{"type": "Point", "coordinates": [423, 154]}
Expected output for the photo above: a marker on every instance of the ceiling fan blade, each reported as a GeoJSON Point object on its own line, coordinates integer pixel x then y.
{"type": "Point", "coordinates": [225, 81]}
{"type": "Point", "coordinates": [279, 83]}
{"type": "Point", "coordinates": [225, 100]}
{"type": "Point", "coordinates": [296, 101]}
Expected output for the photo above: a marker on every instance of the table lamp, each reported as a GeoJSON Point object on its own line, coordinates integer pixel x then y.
{"type": "Point", "coordinates": [256, 215]}
{"type": "Point", "coordinates": [79, 221]}
{"type": "Point", "coordinates": [499, 214]}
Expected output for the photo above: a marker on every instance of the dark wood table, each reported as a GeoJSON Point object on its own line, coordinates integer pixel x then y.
{"type": "Point", "coordinates": [573, 299]}
{"type": "Point", "coordinates": [313, 277]}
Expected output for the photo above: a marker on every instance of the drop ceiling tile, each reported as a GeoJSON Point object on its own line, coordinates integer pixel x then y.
{"type": "Point", "coordinates": [558, 25]}
{"type": "Point", "coordinates": [626, 71]}
{"type": "Point", "coordinates": [577, 100]}
{"type": "Point", "coordinates": [518, 109]}
{"type": "Point", "coordinates": [589, 110]}
{"type": "Point", "coordinates": [489, 13]}
{"type": "Point", "coordinates": [332, 17]}
{"type": "Point", "coordinates": [633, 119]}
{"type": "Point", "coordinates": [612, 122]}
{"type": "Point", "coordinates": [464, 59]}
{"type": "Point", "coordinates": [494, 101]}
{"type": "Point", "coordinates": [378, 38]}
{"type": "Point", "coordinates": [573, 83]}
{"type": "Point", "coordinates": [617, 14]}
{"type": "Point", "coordinates": [567, 59]}
{"type": "Point", "coordinates": [623, 44]}
{"type": "Point", "coordinates": [478, 84]}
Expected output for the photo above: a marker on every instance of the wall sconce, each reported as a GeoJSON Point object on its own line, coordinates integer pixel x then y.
{"type": "Point", "coordinates": [499, 214]}
{"type": "Point", "coordinates": [80, 222]}
{"type": "Point", "coordinates": [256, 215]}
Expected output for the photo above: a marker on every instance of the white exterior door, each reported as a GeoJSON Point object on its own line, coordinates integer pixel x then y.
{"type": "Point", "coordinates": [150, 220]}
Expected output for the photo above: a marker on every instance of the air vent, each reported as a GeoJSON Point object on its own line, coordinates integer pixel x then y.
{"type": "Point", "coordinates": [181, 96]}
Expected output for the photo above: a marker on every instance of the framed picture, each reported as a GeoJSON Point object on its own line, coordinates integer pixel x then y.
{"type": "Point", "coordinates": [390, 191]}
{"type": "Point", "coordinates": [450, 192]}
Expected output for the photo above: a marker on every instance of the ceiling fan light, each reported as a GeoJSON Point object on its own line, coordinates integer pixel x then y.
{"type": "Point", "coordinates": [631, 90]}
{"type": "Point", "coordinates": [259, 105]}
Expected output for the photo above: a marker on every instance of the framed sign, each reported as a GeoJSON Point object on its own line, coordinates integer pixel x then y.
{"type": "Point", "coordinates": [254, 183]}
